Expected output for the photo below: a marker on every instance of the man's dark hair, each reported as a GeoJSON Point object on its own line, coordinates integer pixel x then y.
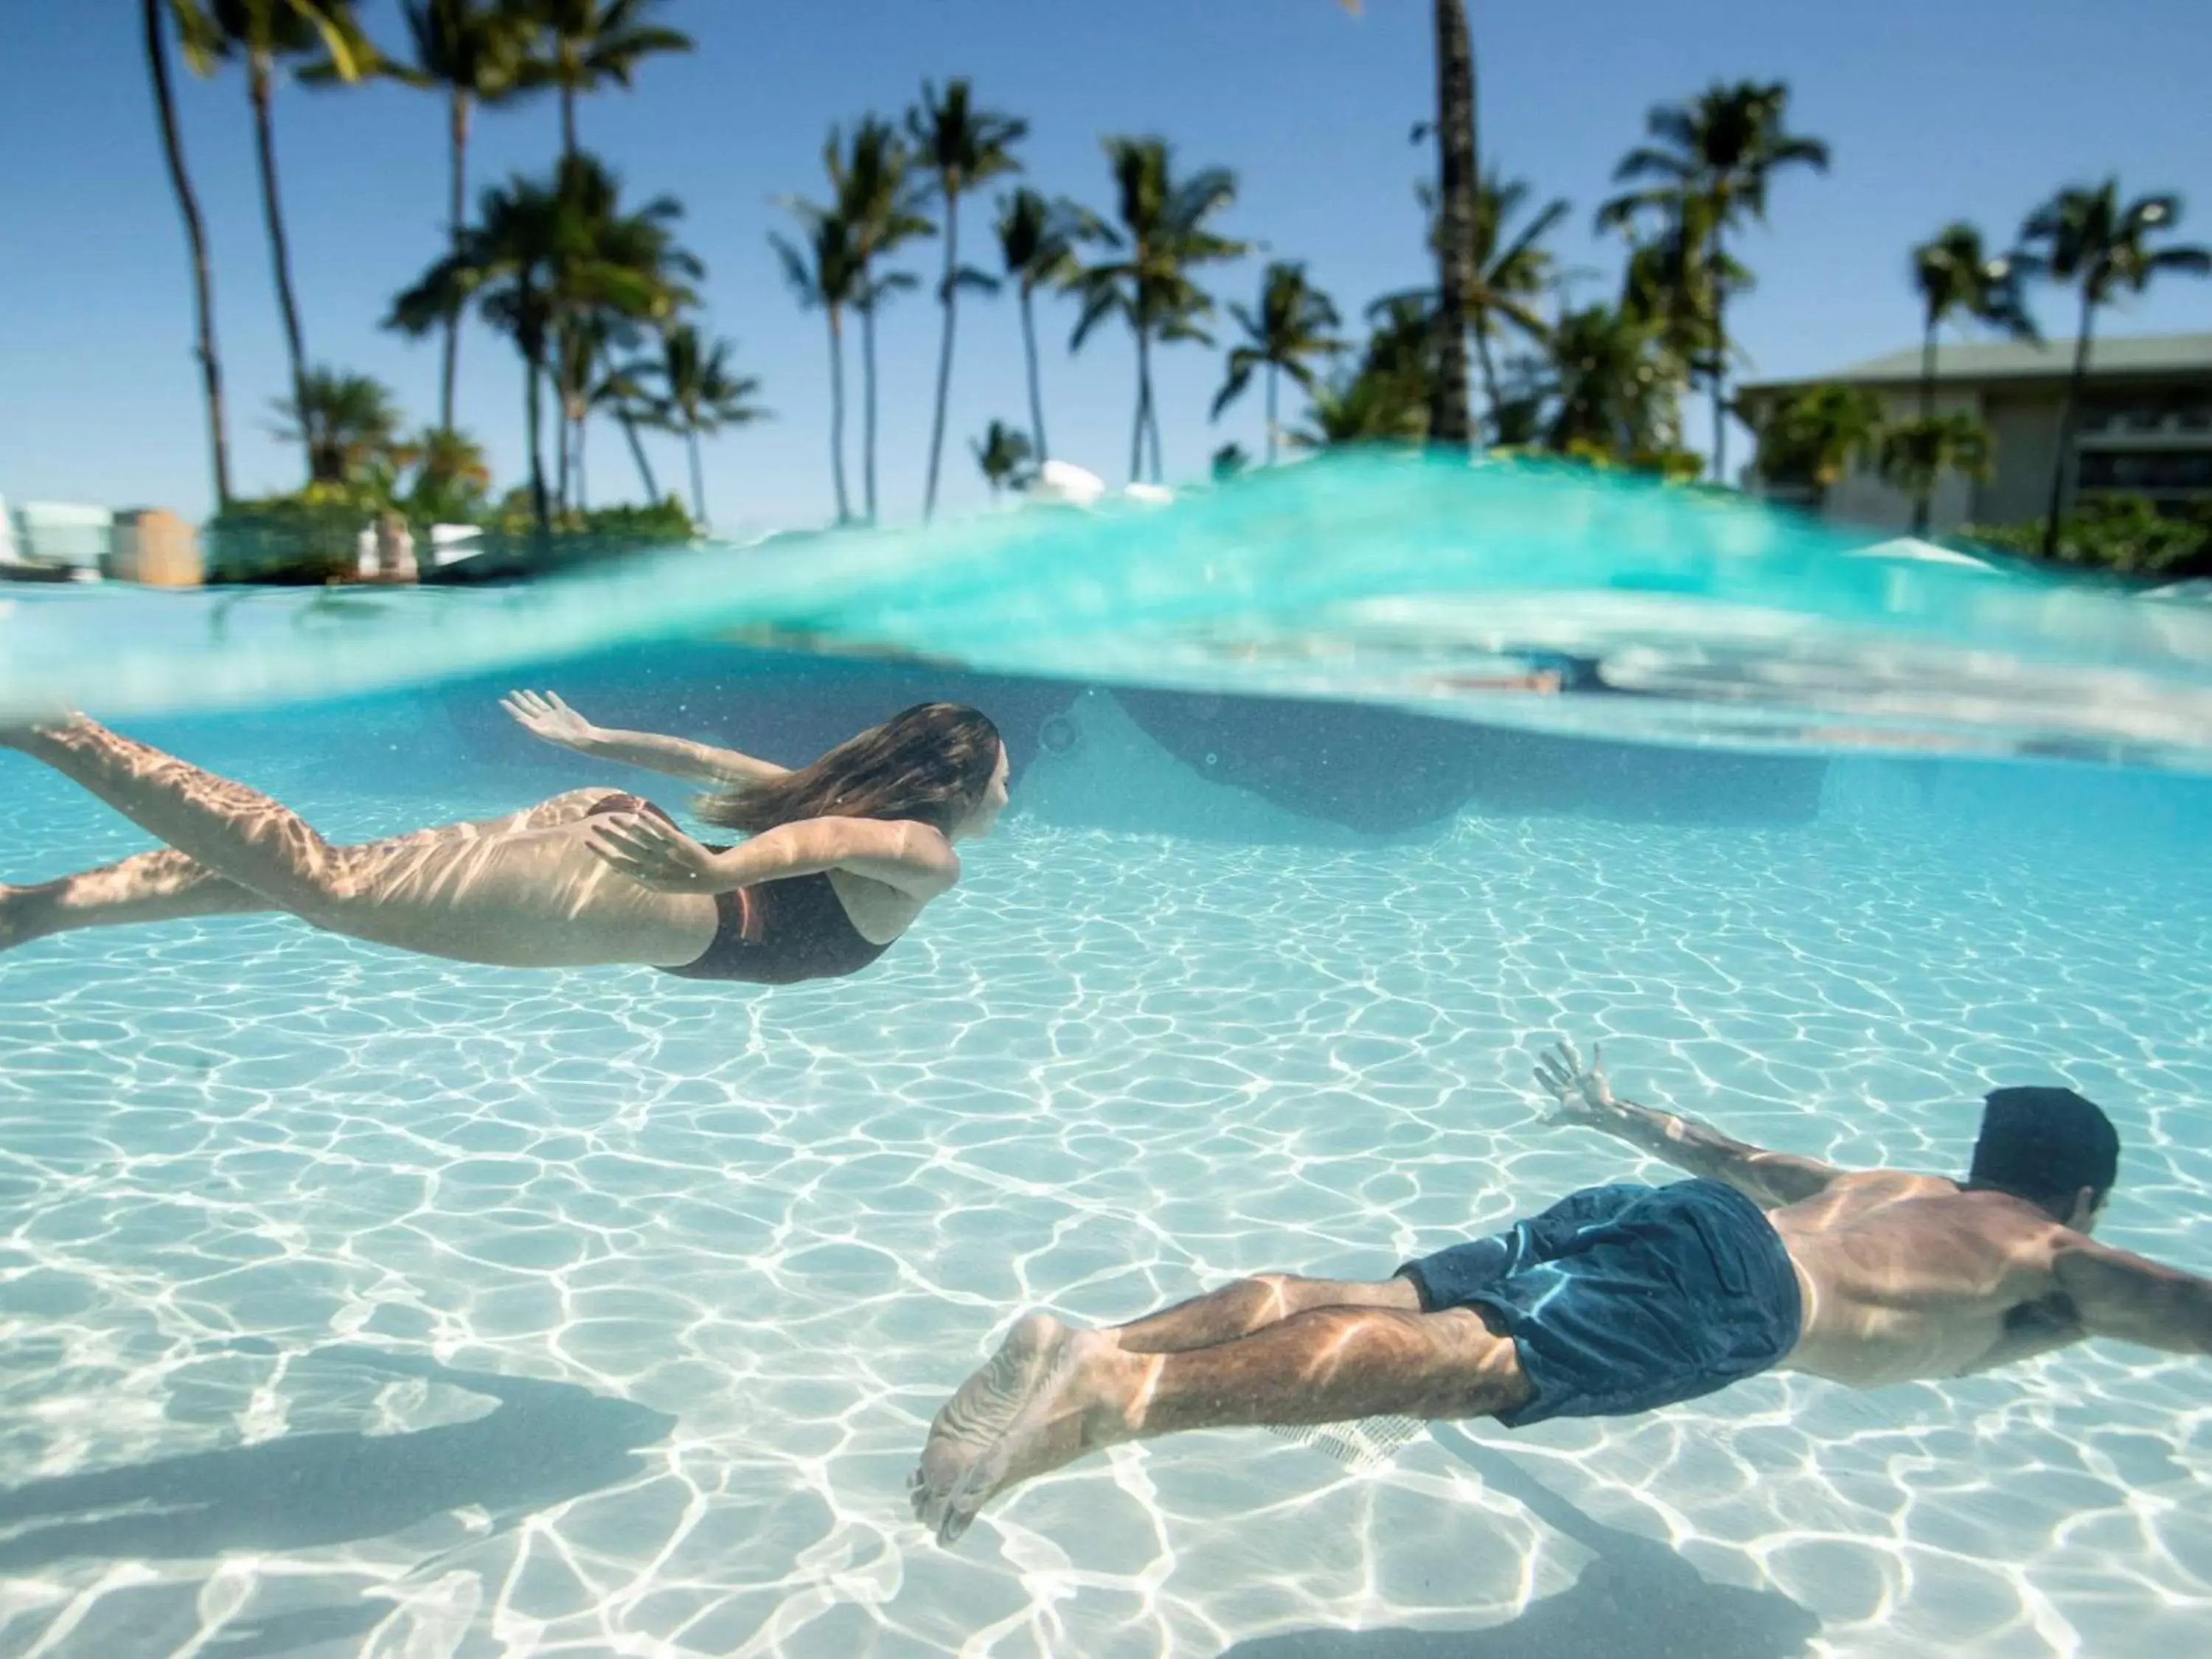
{"type": "Point", "coordinates": [2046, 1145]}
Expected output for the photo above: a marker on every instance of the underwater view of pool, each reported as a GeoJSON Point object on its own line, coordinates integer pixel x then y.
{"type": "Point", "coordinates": [354, 1301]}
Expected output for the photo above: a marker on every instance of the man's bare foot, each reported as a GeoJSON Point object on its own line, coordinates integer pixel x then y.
{"type": "Point", "coordinates": [1040, 1402]}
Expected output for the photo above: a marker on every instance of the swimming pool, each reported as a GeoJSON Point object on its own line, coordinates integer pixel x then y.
{"type": "Point", "coordinates": [352, 1303]}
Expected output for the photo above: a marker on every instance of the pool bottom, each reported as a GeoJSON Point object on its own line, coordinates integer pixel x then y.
{"type": "Point", "coordinates": [242, 1158]}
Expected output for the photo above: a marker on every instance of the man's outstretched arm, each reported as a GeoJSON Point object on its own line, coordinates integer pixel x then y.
{"type": "Point", "coordinates": [2129, 1297]}
{"type": "Point", "coordinates": [1769, 1179]}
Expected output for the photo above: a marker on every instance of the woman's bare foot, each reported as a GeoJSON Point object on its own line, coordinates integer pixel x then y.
{"type": "Point", "coordinates": [18, 731]}
{"type": "Point", "coordinates": [21, 911]}
{"type": "Point", "coordinates": [1048, 1395]}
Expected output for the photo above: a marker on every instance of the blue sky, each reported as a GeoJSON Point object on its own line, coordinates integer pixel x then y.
{"type": "Point", "coordinates": [1935, 109]}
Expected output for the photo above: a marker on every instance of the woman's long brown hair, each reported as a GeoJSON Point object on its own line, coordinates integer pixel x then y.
{"type": "Point", "coordinates": [930, 764]}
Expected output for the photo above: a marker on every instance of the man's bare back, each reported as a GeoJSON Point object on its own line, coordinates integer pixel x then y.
{"type": "Point", "coordinates": [1616, 1299]}
{"type": "Point", "coordinates": [1909, 1277]}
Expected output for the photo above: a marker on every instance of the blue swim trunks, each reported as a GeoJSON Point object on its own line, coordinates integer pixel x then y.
{"type": "Point", "coordinates": [1624, 1298]}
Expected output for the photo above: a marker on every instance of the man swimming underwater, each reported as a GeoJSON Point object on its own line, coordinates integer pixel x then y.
{"type": "Point", "coordinates": [1616, 1299]}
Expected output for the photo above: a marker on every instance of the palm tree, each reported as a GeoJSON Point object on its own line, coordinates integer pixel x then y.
{"type": "Point", "coordinates": [538, 255]}
{"type": "Point", "coordinates": [1451, 420]}
{"type": "Point", "coordinates": [473, 51]}
{"type": "Point", "coordinates": [264, 33]}
{"type": "Point", "coordinates": [962, 147]}
{"type": "Point", "coordinates": [451, 476]}
{"type": "Point", "coordinates": [875, 191]}
{"type": "Point", "coordinates": [508, 264]}
{"type": "Point", "coordinates": [1458, 171]}
{"type": "Point", "coordinates": [1956, 275]}
{"type": "Point", "coordinates": [1915, 454]}
{"type": "Point", "coordinates": [157, 65]}
{"type": "Point", "coordinates": [1038, 239]}
{"type": "Point", "coordinates": [1147, 280]}
{"type": "Point", "coordinates": [591, 317]}
{"type": "Point", "coordinates": [1287, 336]}
{"type": "Point", "coordinates": [2086, 239]}
{"type": "Point", "coordinates": [447, 458]}
{"type": "Point", "coordinates": [1718, 151]}
{"type": "Point", "coordinates": [623, 390]}
{"type": "Point", "coordinates": [1505, 277]}
{"type": "Point", "coordinates": [584, 44]}
{"type": "Point", "coordinates": [1673, 284]}
{"type": "Point", "coordinates": [1816, 436]}
{"type": "Point", "coordinates": [1365, 407]}
{"type": "Point", "coordinates": [583, 381]}
{"type": "Point", "coordinates": [1002, 454]}
{"type": "Point", "coordinates": [700, 392]}
{"type": "Point", "coordinates": [347, 423]}
{"type": "Point", "coordinates": [1401, 345]}
{"type": "Point", "coordinates": [1611, 392]}
{"type": "Point", "coordinates": [826, 276]}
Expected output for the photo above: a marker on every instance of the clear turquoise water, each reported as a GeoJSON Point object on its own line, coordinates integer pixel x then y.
{"type": "Point", "coordinates": [352, 1303]}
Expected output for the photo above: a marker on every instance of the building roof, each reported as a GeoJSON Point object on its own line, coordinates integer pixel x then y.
{"type": "Point", "coordinates": [2020, 359]}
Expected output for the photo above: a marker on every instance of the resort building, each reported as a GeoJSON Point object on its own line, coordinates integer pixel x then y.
{"type": "Point", "coordinates": [2145, 427]}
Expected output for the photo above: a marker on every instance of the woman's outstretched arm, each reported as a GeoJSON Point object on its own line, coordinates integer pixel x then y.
{"type": "Point", "coordinates": [544, 716]}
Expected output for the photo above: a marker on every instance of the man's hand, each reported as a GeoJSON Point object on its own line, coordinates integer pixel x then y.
{"type": "Point", "coordinates": [653, 852]}
{"type": "Point", "coordinates": [1582, 1091]}
{"type": "Point", "coordinates": [549, 718]}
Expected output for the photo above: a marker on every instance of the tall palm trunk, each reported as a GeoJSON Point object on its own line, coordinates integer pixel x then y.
{"type": "Point", "coordinates": [1927, 413]}
{"type": "Point", "coordinates": [533, 359]}
{"type": "Point", "coordinates": [868, 406]}
{"type": "Point", "coordinates": [947, 297]}
{"type": "Point", "coordinates": [1152, 424]}
{"type": "Point", "coordinates": [561, 404]}
{"type": "Point", "coordinates": [1144, 408]}
{"type": "Point", "coordinates": [457, 215]}
{"type": "Point", "coordinates": [1036, 398]}
{"type": "Point", "coordinates": [157, 63]}
{"type": "Point", "coordinates": [568, 121]}
{"type": "Point", "coordinates": [637, 454]}
{"type": "Point", "coordinates": [1489, 374]}
{"type": "Point", "coordinates": [583, 492]}
{"type": "Point", "coordinates": [1271, 413]}
{"type": "Point", "coordinates": [259, 81]}
{"type": "Point", "coordinates": [698, 486]}
{"type": "Point", "coordinates": [1717, 379]}
{"type": "Point", "coordinates": [837, 417]}
{"type": "Point", "coordinates": [2067, 417]}
{"type": "Point", "coordinates": [1449, 420]}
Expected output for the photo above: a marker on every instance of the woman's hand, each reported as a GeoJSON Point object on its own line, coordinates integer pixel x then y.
{"type": "Point", "coordinates": [544, 716]}
{"type": "Point", "coordinates": [653, 852]}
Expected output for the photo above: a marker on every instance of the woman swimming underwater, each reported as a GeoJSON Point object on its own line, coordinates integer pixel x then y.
{"type": "Point", "coordinates": [841, 857]}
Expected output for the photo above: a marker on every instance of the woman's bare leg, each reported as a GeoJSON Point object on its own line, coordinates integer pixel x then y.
{"type": "Point", "coordinates": [168, 885]}
{"type": "Point", "coordinates": [530, 898]}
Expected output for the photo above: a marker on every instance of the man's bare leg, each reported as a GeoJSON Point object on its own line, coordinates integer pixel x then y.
{"type": "Point", "coordinates": [1051, 1394]}
{"type": "Point", "coordinates": [1252, 1305]}
{"type": "Point", "coordinates": [166, 886]}
{"type": "Point", "coordinates": [982, 1409]}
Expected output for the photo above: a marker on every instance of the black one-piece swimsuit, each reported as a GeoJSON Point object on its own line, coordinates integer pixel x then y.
{"type": "Point", "coordinates": [773, 933]}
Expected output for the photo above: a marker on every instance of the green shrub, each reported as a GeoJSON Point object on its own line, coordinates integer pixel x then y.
{"type": "Point", "coordinates": [2124, 534]}
{"type": "Point", "coordinates": [312, 538]}
{"type": "Point", "coordinates": [307, 538]}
